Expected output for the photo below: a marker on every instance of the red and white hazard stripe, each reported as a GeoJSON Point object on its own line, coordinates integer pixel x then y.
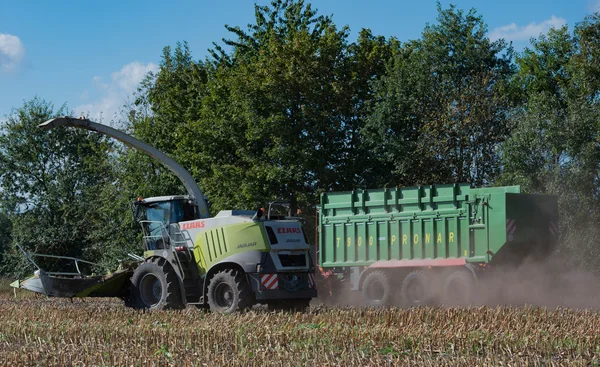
{"type": "Point", "coordinates": [269, 281]}
{"type": "Point", "coordinates": [311, 280]}
{"type": "Point", "coordinates": [511, 226]}
{"type": "Point", "coordinates": [553, 226]}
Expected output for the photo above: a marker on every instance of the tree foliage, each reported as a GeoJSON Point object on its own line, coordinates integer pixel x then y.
{"type": "Point", "coordinates": [441, 110]}
{"type": "Point", "coordinates": [555, 147]}
{"type": "Point", "coordinates": [51, 182]}
{"type": "Point", "coordinates": [276, 118]}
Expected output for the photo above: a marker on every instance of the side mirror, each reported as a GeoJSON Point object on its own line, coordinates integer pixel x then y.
{"type": "Point", "coordinates": [258, 215]}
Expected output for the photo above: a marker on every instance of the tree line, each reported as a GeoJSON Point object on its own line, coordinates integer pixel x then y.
{"type": "Point", "coordinates": [290, 107]}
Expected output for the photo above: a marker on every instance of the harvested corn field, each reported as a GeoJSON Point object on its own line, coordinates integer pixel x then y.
{"type": "Point", "coordinates": [39, 331]}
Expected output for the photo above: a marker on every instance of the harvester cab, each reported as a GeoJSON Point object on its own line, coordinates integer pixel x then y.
{"type": "Point", "coordinates": [157, 214]}
{"type": "Point", "coordinates": [227, 262]}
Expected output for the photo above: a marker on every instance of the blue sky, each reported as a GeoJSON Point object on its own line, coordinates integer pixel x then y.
{"type": "Point", "coordinates": [92, 54]}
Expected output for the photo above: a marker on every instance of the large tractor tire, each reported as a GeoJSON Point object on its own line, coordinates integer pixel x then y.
{"type": "Point", "coordinates": [295, 305]}
{"type": "Point", "coordinates": [377, 289]}
{"type": "Point", "coordinates": [155, 286]}
{"type": "Point", "coordinates": [458, 288]}
{"type": "Point", "coordinates": [416, 290]}
{"type": "Point", "coordinates": [229, 291]}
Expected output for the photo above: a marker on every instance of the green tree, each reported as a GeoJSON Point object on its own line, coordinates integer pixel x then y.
{"type": "Point", "coordinates": [555, 146]}
{"type": "Point", "coordinates": [5, 234]}
{"type": "Point", "coordinates": [441, 111]}
{"type": "Point", "coordinates": [364, 64]}
{"type": "Point", "coordinates": [277, 116]}
{"type": "Point", "coordinates": [282, 111]}
{"type": "Point", "coordinates": [50, 181]}
{"type": "Point", "coordinates": [398, 110]}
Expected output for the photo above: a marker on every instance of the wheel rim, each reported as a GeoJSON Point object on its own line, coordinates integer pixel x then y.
{"type": "Point", "coordinates": [415, 291]}
{"type": "Point", "coordinates": [376, 292]}
{"type": "Point", "coordinates": [224, 295]}
{"type": "Point", "coordinates": [151, 290]}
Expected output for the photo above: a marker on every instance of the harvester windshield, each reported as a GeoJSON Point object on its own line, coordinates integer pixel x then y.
{"type": "Point", "coordinates": [159, 212]}
{"type": "Point", "coordinates": [156, 215]}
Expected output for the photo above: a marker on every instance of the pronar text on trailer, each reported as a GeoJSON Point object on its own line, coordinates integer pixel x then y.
{"type": "Point", "coordinates": [228, 262]}
{"type": "Point", "coordinates": [426, 244]}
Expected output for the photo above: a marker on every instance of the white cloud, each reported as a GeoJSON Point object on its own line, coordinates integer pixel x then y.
{"type": "Point", "coordinates": [115, 91]}
{"type": "Point", "coordinates": [131, 75]}
{"type": "Point", "coordinates": [513, 32]}
{"type": "Point", "coordinates": [11, 52]}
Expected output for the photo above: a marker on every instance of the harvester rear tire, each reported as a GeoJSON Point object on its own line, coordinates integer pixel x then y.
{"type": "Point", "coordinates": [416, 289]}
{"type": "Point", "coordinates": [459, 288]}
{"type": "Point", "coordinates": [155, 286]}
{"type": "Point", "coordinates": [229, 291]}
{"type": "Point", "coordinates": [377, 289]}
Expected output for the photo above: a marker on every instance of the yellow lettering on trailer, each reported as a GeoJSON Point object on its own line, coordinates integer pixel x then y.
{"type": "Point", "coordinates": [404, 239]}
{"type": "Point", "coordinates": [439, 240]}
{"type": "Point", "coordinates": [371, 241]}
{"type": "Point", "coordinates": [416, 239]}
{"type": "Point", "coordinates": [359, 241]}
{"type": "Point", "coordinates": [427, 237]}
{"type": "Point", "coordinates": [393, 238]}
{"type": "Point", "coordinates": [349, 241]}
{"type": "Point", "coordinates": [451, 237]}
{"type": "Point", "coordinates": [338, 242]}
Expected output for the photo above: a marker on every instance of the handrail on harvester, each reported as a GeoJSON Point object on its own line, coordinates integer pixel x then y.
{"type": "Point", "coordinates": [30, 256]}
{"type": "Point", "coordinates": [186, 178]}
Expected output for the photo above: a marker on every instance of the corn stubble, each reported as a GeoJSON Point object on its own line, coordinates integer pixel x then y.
{"type": "Point", "coordinates": [47, 332]}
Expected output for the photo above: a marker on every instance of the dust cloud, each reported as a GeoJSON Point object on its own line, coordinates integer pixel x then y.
{"type": "Point", "coordinates": [546, 284]}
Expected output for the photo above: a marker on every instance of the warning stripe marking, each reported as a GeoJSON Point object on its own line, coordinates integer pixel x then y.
{"type": "Point", "coordinates": [511, 226]}
{"type": "Point", "coordinates": [311, 280]}
{"type": "Point", "coordinates": [269, 281]}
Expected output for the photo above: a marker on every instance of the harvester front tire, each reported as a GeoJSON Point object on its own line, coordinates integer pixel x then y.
{"type": "Point", "coordinates": [377, 289]}
{"type": "Point", "coordinates": [155, 286]}
{"type": "Point", "coordinates": [459, 288]}
{"type": "Point", "coordinates": [416, 290]}
{"type": "Point", "coordinates": [229, 291]}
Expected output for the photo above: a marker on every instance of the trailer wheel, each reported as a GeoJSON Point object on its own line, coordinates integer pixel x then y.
{"type": "Point", "coordinates": [228, 291]}
{"type": "Point", "coordinates": [458, 288]}
{"type": "Point", "coordinates": [154, 286]}
{"type": "Point", "coordinates": [377, 289]}
{"type": "Point", "coordinates": [415, 289]}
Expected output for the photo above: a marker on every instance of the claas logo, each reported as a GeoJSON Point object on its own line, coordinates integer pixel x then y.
{"type": "Point", "coordinates": [285, 230]}
{"type": "Point", "coordinates": [192, 225]}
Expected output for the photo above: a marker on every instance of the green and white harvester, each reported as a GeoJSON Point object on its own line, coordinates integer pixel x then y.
{"type": "Point", "coordinates": [228, 262]}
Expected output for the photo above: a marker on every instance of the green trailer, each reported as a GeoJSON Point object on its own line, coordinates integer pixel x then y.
{"type": "Point", "coordinates": [417, 244]}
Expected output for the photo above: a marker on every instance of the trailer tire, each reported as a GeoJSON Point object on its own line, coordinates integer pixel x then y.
{"type": "Point", "coordinates": [415, 289]}
{"type": "Point", "coordinates": [377, 289]}
{"type": "Point", "coordinates": [458, 289]}
{"type": "Point", "coordinates": [155, 286]}
{"type": "Point", "coordinates": [229, 291]}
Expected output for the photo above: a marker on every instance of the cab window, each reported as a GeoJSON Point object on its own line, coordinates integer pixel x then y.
{"type": "Point", "coordinates": [183, 211]}
{"type": "Point", "coordinates": [159, 212]}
